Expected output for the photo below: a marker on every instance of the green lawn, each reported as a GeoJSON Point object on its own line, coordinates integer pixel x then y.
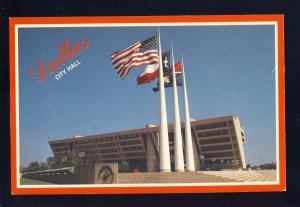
{"type": "Point", "coordinates": [26, 181]}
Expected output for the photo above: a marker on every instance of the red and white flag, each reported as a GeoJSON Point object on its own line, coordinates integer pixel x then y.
{"type": "Point", "coordinates": [151, 71]}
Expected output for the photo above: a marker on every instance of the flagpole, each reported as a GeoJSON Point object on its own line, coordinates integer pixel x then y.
{"type": "Point", "coordinates": [164, 151]}
{"type": "Point", "coordinates": [190, 163]}
{"type": "Point", "coordinates": [178, 154]}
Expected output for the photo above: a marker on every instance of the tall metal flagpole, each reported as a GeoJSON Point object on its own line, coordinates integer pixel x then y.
{"type": "Point", "coordinates": [178, 155]}
{"type": "Point", "coordinates": [189, 155]}
{"type": "Point", "coordinates": [165, 165]}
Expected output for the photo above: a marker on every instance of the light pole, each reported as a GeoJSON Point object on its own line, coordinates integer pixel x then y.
{"type": "Point", "coordinates": [202, 161]}
{"type": "Point", "coordinates": [214, 163]}
{"type": "Point", "coordinates": [53, 164]}
{"type": "Point", "coordinates": [222, 161]}
{"type": "Point", "coordinates": [64, 159]}
{"type": "Point", "coordinates": [81, 155]}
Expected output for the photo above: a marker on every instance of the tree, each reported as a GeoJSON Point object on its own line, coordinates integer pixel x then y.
{"type": "Point", "coordinates": [33, 166]}
{"type": "Point", "coordinates": [123, 167]}
{"type": "Point", "coordinates": [43, 166]}
{"type": "Point", "coordinates": [84, 158]}
{"type": "Point", "coordinates": [61, 161]}
{"type": "Point", "coordinates": [51, 163]}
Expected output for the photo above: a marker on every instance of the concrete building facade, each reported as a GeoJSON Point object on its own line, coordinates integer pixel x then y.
{"type": "Point", "coordinates": [217, 144]}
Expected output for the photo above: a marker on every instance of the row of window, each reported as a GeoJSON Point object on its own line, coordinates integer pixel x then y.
{"type": "Point", "coordinates": [216, 148]}
{"type": "Point", "coordinates": [128, 136]}
{"type": "Point", "coordinates": [215, 140]}
{"type": "Point", "coordinates": [85, 147]}
{"type": "Point", "coordinates": [111, 156]}
{"type": "Point", "coordinates": [133, 148]}
{"type": "Point", "coordinates": [220, 162]}
{"type": "Point", "coordinates": [108, 147]}
{"type": "Point", "coordinates": [83, 141]}
{"type": "Point", "coordinates": [111, 150]}
{"type": "Point", "coordinates": [104, 139]}
{"type": "Point", "coordinates": [135, 154]}
{"type": "Point", "coordinates": [213, 133]}
{"type": "Point", "coordinates": [64, 149]}
{"type": "Point", "coordinates": [124, 150]}
{"type": "Point", "coordinates": [127, 155]}
{"type": "Point", "coordinates": [63, 144]}
{"type": "Point", "coordinates": [132, 142]}
{"type": "Point", "coordinates": [211, 126]}
{"type": "Point", "coordinates": [218, 154]}
{"type": "Point", "coordinates": [112, 144]}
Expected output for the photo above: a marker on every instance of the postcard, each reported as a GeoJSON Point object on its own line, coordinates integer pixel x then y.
{"type": "Point", "coordinates": [140, 104]}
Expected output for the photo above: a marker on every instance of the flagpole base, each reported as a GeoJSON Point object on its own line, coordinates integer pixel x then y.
{"type": "Point", "coordinates": [190, 171]}
{"type": "Point", "coordinates": [165, 170]}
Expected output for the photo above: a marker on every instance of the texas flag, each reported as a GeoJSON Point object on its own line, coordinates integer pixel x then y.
{"type": "Point", "coordinates": [168, 77]}
{"type": "Point", "coordinates": [151, 71]}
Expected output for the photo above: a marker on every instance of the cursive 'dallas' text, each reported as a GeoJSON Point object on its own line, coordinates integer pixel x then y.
{"type": "Point", "coordinates": [40, 69]}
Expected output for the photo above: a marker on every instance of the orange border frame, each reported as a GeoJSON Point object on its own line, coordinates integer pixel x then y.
{"type": "Point", "coordinates": [152, 189]}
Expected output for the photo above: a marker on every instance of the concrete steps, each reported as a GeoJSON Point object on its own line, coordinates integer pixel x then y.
{"type": "Point", "coordinates": [246, 176]}
{"type": "Point", "coordinates": [170, 177]}
{"type": "Point", "coordinates": [198, 177]}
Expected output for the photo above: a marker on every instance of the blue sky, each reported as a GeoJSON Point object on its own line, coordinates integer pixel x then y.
{"type": "Point", "coordinates": [228, 71]}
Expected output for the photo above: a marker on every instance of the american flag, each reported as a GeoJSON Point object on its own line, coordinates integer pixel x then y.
{"type": "Point", "coordinates": [136, 55]}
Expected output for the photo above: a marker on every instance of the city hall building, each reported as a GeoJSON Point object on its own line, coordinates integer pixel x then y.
{"type": "Point", "coordinates": [217, 145]}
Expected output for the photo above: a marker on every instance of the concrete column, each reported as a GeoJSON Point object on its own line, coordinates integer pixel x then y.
{"type": "Point", "coordinates": [152, 157]}
{"type": "Point", "coordinates": [196, 162]}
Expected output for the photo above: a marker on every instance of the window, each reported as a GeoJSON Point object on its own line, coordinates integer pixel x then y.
{"type": "Point", "coordinates": [135, 154]}
{"type": "Point", "coordinates": [218, 154]}
{"type": "Point", "coordinates": [216, 148]}
{"type": "Point", "coordinates": [212, 133]}
{"type": "Point", "coordinates": [213, 141]}
{"type": "Point", "coordinates": [112, 144]}
{"type": "Point", "coordinates": [104, 139]}
{"type": "Point", "coordinates": [111, 150]}
{"type": "Point", "coordinates": [59, 144]}
{"type": "Point", "coordinates": [61, 149]}
{"type": "Point", "coordinates": [134, 148]}
{"type": "Point", "coordinates": [133, 142]}
{"type": "Point", "coordinates": [84, 141]}
{"type": "Point", "coordinates": [85, 147]}
{"type": "Point", "coordinates": [111, 156]}
{"type": "Point", "coordinates": [134, 135]}
{"type": "Point", "coordinates": [122, 137]}
{"type": "Point", "coordinates": [211, 126]}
